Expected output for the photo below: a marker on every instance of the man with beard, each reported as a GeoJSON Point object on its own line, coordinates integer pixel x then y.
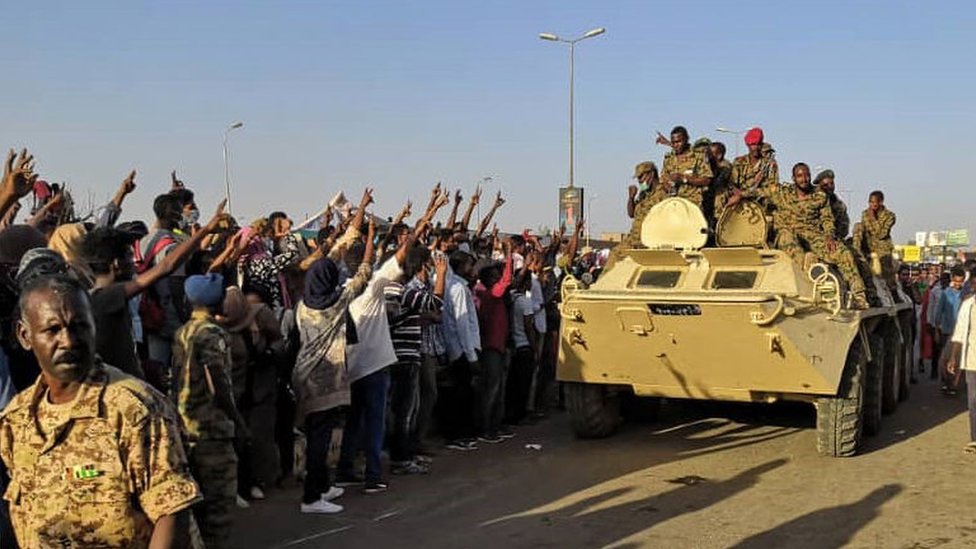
{"type": "Point", "coordinates": [94, 454]}
{"type": "Point", "coordinates": [804, 223]}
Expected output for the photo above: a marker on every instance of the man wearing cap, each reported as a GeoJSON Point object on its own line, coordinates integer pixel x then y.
{"type": "Point", "coordinates": [687, 172]}
{"type": "Point", "coordinates": [204, 394]}
{"type": "Point", "coordinates": [757, 168]}
{"type": "Point", "coordinates": [647, 192]}
{"type": "Point", "coordinates": [804, 223]}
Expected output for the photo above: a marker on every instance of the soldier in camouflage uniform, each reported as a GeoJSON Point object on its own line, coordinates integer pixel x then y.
{"type": "Point", "coordinates": [825, 181]}
{"type": "Point", "coordinates": [204, 394]}
{"type": "Point", "coordinates": [876, 222]}
{"type": "Point", "coordinates": [804, 223]}
{"type": "Point", "coordinates": [640, 199]}
{"type": "Point", "coordinates": [721, 183]}
{"type": "Point", "coordinates": [756, 169]}
{"type": "Point", "coordinates": [687, 171]}
{"type": "Point", "coordinates": [95, 456]}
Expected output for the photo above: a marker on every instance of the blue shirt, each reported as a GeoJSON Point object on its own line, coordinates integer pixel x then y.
{"type": "Point", "coordinates": [947, 309]}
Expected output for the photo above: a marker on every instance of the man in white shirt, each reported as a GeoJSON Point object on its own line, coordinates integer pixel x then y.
{"type": "Point", "coordinates": [462, 337]}
{"type": "Point", "coordinates": [963, 355]}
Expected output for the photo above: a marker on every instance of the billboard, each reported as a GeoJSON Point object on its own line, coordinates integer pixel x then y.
{"type": "Point", "coordinates": [570, 207]}
{"type": "Point", "coordinates": [936, 238]}
{"type": "Point", "coordinates": [957, 237]}
{"type": "Point", "coordinates": [911, 254]}
{"type": "Point", "coordinates": [921, 238]}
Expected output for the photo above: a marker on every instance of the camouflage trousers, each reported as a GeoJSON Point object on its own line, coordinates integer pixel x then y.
{"type": "Point", "coordinates": [214, 466]}
{"type": "Point", "coordinates": [797, 243]}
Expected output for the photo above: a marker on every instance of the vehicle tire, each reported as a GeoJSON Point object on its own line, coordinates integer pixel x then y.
{"type": "Point", "coordinates": [594, 410]}
{"type": "Point", "coordinates": [640, 409]}
{"type": "Point", "coordinates": [840, 418]}
{"type": "Point", "coordinates": [873, 386]}
{"type": "Point", "coordinates": [893, 366]}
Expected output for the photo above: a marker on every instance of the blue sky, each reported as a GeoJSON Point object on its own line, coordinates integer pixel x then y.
{"type": "Point", "coordinates": [399, 95]}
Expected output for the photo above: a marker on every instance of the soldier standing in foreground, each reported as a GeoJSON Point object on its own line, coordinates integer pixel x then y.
{"type": "Point", "coordinates": [94, 454]}
{"type": "Point", "coordinates": [687, 172]}
{"type": "Point", "coordinates": [877, 221]}
{"type": "Point", "coordinates": [805, 222]}
{"type": "Point", "coordinates": [204, 394]}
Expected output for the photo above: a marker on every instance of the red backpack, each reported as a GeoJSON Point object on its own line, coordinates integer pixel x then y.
{"type": "Point", "coordinates": [150, 309]}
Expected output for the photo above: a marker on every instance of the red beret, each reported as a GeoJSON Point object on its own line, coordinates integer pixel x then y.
{"type": "Point", "coordinates": [754, 136]}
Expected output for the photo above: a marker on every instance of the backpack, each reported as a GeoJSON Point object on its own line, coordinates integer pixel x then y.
{"type": "Point", "coordinates": [150, 308]}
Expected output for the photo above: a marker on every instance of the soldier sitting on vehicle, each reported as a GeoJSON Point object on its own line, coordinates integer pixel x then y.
{"type": "Point", "coordinates": [756, 169]}
{"type": "Point", "coordinates": [825, 181]}
{"type": "Point", "coordinates": [803, 223]}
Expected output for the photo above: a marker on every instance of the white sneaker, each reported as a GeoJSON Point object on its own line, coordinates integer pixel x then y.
{"type": "Point", "coordinates": [321, 507]}
{"type": "Point", "coordinates": [257, 493]}
{"type": "Point", "coordinates": [333, 493]}
{"type": "Point", "coordinates": [242, 503]}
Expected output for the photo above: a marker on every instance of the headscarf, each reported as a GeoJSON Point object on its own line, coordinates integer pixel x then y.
{"type": "Point", "coordinates": [39, 262]}
{"type": "Point", "coordinates": [253, 248]}
{"type": "Point", "coordinates": [322, 285]}
{"type": "Point", "coordinates": [68, 240]}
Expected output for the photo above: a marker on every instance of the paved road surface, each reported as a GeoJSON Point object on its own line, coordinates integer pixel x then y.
{"type": "Point", "coordinates": [704, 475]}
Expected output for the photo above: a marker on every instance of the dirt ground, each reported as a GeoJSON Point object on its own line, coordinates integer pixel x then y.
{"type": "Point", "coordinates": [704, 475]}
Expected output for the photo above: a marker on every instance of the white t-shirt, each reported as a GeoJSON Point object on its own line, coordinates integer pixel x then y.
{"type": "Point", "coordinates": [521, 308]}
{"type": "Point", "coordinates": [964, 335]}
{"type": "Point", "coordinates": [374, 351]}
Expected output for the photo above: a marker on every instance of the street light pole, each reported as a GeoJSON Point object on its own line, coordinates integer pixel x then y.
{"type": "Point", "coordinates": [229, 129]}
{"type": "Point", "coordinates": [572, 70]}
{"type": "Point", "coordinates": [720, 129]}
{"type": "Point", "coordinates": [589, 220]}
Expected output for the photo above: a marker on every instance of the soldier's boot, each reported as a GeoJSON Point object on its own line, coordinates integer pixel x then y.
{"type": "Point", "coordinates": [859, 300]}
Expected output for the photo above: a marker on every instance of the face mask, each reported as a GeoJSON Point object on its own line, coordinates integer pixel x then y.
{"type": "Point", "coordinates": [191, 219]}
{"type": "Point", "coordinates": [644, 187]}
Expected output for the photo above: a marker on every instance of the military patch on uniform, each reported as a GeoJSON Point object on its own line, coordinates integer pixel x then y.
{"type": "Point", "coordinates": [84, 472]}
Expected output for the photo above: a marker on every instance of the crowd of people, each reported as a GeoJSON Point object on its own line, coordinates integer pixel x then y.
{"type": "Point", "coordinates": [154, 375]}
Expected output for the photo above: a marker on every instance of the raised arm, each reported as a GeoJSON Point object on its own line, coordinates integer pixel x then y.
{"type": "Point", "coordinates": [574, 242]}
{"type": "Point", "coordinates": [175, 258]}
{"type": "Point", "coordinates": [475, 200]}
{"type": "Point", "coordinates": [403, 214]}
{"type": "Point", "coordinates": [41, 214]}
{"type": "Point", "coordinates": [452, 218]}
{"type": "Point", "coordinates": [232, 251]}
{"type": "Point", "coordinates": [18, 179]}
{"type": "Point", "coordinates": [483, 226]}
{"type": "Point", "coordinates": [113, 209]}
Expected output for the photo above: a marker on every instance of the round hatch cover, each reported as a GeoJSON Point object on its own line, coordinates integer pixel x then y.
{"type": "Point", "coordinates": [674, 223]}
{"type": "Point", "coordinates": [742, 225]}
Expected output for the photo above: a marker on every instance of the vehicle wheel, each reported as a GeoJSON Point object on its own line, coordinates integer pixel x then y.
{"type": "Point", "coordinates": [840, 418]}
{"type": "Point", "coordinates": [892, 368]}
{"type": "Point", "coordinates": [640, 409]}
{"type": "Point", "coordinates": [594, 410]}
{"type": "Point", "coordinates": [873, 386]}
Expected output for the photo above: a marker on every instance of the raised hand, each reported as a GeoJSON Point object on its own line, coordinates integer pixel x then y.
{"type": "Point", "coordinates": [367, 198]}
{"type": "Point", "coordinates": [458, 198]}
{"type": "Point", "coordinates": [174, 182]}
{"type": "Point", "coordinates": [18, 174]}
{"type": "Point", "coordinates": [218, 216]}
{"type": "Point", "coordinates": [129, 184]}
{"type": "Point", "coordinates": [440, 266]}
{"type": "Point", "coordinates": [661, 140]}
{"type": "Point", "coordinates": [499, 200]}
{"type": "Point", "coordinates": [476, 197]}
{"type": "Point", "coordinates": [407, 209]}
{"type": "Point", "coordinates": [371, 231]}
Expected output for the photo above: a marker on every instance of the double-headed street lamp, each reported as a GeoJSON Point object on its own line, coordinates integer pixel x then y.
{"type": "Point", "coordinates": [230, 128]}
{"type": "Point", "coordinates": [572, 49]}
{"type": "Point", "coordinates": [736, 133]}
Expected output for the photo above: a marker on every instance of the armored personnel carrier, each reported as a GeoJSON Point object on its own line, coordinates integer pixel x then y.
{"type": "Point", "coordinates": [736, 321]}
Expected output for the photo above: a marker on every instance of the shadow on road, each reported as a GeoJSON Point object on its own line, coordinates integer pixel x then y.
{"type": "Point", "coordinates": [826, 528]}
{"type": "Point", "coordinates": [585, 523]}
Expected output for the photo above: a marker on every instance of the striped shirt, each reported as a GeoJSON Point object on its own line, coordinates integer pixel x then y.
{"type": "Point", "coordinates": [404, 305]}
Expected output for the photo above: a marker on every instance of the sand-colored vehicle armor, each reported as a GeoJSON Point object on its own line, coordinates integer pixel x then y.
{"type": "Point", "coordinates": [737, 321]}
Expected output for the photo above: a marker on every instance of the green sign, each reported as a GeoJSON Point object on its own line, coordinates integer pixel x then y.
{"type": "Point", "coordinates": [957, 237]}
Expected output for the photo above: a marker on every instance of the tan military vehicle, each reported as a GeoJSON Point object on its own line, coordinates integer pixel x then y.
{"type": "Point", "coordinates": [734, 322]}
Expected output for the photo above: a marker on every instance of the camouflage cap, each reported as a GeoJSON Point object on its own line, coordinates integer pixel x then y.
{"type": "Point", "coordinates": [644, 167]}
{"type": "Point", "coordinates": [701, 142]}
{"type": "Point", "coordinates": [823, 175]}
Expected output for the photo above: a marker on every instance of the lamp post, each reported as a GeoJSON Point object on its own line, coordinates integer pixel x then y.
{"type": "Point", "coordinates": [720, 129]}
{"type": "Point", "coordinates": [572, 62]}
{"type": "Point", "coordinates": [229, 129]}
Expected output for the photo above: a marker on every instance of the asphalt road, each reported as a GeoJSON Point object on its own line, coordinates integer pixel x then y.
{"type": "Point", "coordinates": [704, 475]}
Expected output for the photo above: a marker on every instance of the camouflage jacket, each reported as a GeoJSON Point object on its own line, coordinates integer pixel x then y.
{"type": "Point", "coordinates": [104, 475]}
{"type": "Point", "coordinates": [747, 175]}
{"type": "Point", "coordinates": [809, 214]}
{"type": "Point", "coordinates": [842, 221]}
{"type": "Point", "coordinates": [692, 163]}
{"type": "Point", "coordinates": [723, 176]}
{"type": "Point", "coordinates": [877, 230]}
{"type": "Point", "coordinates": [201, 370]}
